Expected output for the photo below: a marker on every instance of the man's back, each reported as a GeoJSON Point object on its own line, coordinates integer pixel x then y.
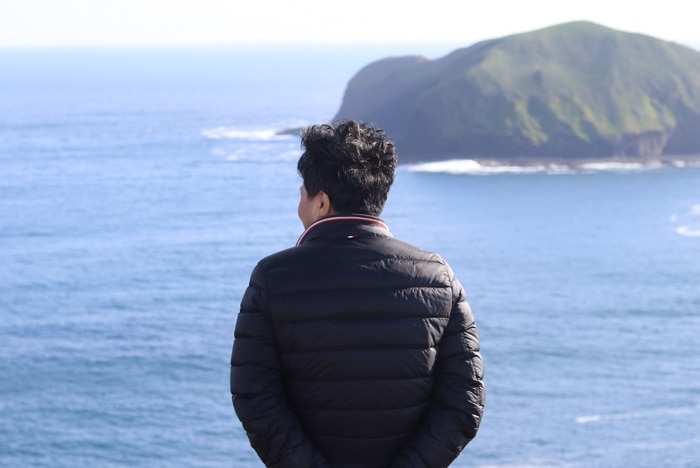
{"type": "Point", "coordinates": [363, 329]}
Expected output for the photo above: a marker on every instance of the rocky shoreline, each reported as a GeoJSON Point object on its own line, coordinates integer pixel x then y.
{"type": "Point", "coordinates": [577, 163]}
{"type": "Point", "coordinates": [552, 164]}
{"type": "Point", "coordinates": [521, 165]}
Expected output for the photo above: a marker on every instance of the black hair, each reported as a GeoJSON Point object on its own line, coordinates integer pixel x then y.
{"type": "Point", "coordinates": [352, 162]}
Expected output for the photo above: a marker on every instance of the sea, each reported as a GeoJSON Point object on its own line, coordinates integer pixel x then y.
{"type": "Point", "coordinates": [140, 186]}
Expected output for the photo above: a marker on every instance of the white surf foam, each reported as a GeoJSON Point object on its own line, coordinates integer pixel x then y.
{"type": "Point", "coordinates": [236, 133]}
{"type": "Point", "coordinates": [617, 166]}
{"type": "Point", "coordinates": [687, 222]}
{"type": "Point", "coordinates": [588, 419]}
{"type": "Point", "coordinates": [472, 167]}
{"type": "Point", "coordinates": [688, 231]}
{"type": "Point", "coordinates": [246, 155]}
{"type": "Point", "coordinates": [652, 413]}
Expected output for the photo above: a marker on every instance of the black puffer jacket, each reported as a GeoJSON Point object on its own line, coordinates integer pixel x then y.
{"type": "Point", "coordinates": [354, 349]}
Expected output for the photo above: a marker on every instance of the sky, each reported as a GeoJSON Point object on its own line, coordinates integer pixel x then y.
{"type": "Point", "coordinates": [149, 22]}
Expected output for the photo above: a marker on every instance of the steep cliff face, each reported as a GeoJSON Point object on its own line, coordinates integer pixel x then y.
{"type": "Point", "coordinates": [573, 90]}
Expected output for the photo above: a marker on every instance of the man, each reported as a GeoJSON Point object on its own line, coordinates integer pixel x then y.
{"type": "Point", "coordinates": [354, 349]}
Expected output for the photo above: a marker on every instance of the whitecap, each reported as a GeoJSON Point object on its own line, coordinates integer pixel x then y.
{"type": "Point", "coordinates": [245, 155]}
{"type": "Point", "coordinates": [687, 222]}
{"type": "Point", "coordinates": [472, 167]}
{"type": "Point", "coordinates": [617, 166]}
{"type": "Point", "coordinates": [588, 418]}
{"type": "Point", "coordinates": [651, 413]}
{"type": "Point", "coordinates": [688, 231]}
{"type": "Point", "coordinates": [236, 133]}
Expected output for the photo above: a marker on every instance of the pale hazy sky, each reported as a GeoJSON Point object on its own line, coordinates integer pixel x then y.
{"type": "Point", "coordinates": [97, 22]}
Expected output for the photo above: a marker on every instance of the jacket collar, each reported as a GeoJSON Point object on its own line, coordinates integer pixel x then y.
{"type": "Point", "coordinates": [347, 225]}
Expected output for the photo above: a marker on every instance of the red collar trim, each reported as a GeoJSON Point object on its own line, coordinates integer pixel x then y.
{"type": "Point", "coordinates": [335, 219]}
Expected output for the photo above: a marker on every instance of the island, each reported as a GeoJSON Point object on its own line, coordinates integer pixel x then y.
{"type": "Point", "coordinates": [577, 91]}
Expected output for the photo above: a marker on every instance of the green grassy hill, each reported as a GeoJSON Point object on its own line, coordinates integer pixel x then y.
{"type": "Point", "coordinates": [572, 90]}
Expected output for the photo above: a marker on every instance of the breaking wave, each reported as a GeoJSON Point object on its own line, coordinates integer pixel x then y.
{"type": "Point", "coordinates": [620, 166]}
{"type": "Point", "coordinates": [237, 133]}
{"type": "Point", "coordinates": [688, 222]}
{"type": "Point", "coordinates": [681, 411]}
{"type": "Point", "coordinates": [473, 167]}
{"type": "Point", "coordinates": [688, 231]}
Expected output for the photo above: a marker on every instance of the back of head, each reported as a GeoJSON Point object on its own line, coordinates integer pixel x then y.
{"type": "Point", "coordinates": [352, 162]}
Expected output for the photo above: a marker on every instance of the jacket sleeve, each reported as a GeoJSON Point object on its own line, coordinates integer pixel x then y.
{"type": "Point", "coordinates": [453, 416]}
{"type": "Point", "coordinates": [257, 387]}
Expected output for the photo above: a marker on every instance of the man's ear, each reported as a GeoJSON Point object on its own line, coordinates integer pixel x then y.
{"type": "Point", "coordinates": [325, 207]}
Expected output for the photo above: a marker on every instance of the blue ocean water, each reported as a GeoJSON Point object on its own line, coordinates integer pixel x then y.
{"type": "Point", "coordinates": [139, 187]}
